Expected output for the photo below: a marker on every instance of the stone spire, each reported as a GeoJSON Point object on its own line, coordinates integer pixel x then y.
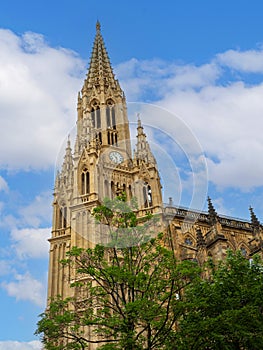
{"type": "Point", "coordinates": [142, 150]}
{"type": "Point", "coordinates": [100, 74]}
{"type": "Point", "coordinates": [213, 217]}
{"type": "Point", "coordinates": [254, 220]}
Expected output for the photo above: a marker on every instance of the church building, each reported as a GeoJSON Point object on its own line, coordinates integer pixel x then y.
{"type": "Point", "coordinates": [101, 164]}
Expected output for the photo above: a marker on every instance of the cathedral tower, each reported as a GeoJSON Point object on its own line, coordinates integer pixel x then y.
{"type": "Point", "coordinates": [101, 164]}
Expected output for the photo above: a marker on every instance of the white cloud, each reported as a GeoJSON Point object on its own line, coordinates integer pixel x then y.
{"type": "Point", "coordinates": [228, 123]}
{"type": "Point", "coordinates": [25, 287]}
{"type": "Point", "coordinates": [8, 220]}
{"type": "Point", "coordinates": [38, 93]}
{"type": "Point", "coordinates": [222, 113]}
{"type": "Point", "coordinates": [219, 205]}
{"type": "Point", "coordinates": [179, 155]}
{"type": "Point", "coordinates": [5, 267]}
{"type": "Point", "coordinates": [38, 211]}
{"type": "Point", "coordinates": [31, 242]}
{"type": "Point", "coordinates": [160, 78]}
{"type": "Point", "coordinates": [16, 345]}
{"type": "Point", "coordinates": [250, 61]}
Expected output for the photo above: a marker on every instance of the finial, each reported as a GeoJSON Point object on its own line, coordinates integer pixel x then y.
{"type": "Point", "coordinates": [68, 141]}
{"type": "Point", "coordinates": [139, 120]}
{"type": "Point", "coordinates": [98, 26]}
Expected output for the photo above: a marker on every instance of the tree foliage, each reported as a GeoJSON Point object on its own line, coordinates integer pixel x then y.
{"type": "Point", "coordinates": [132, 294]}
{"type": "Point", "coordinates": [224, 310]}
{"type": "Point", "coordinates": [130, 288]}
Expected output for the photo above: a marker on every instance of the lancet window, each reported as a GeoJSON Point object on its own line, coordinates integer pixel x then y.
{"type": "Point", "coordinates": [112, 137]}
{"type": "Point", "coordinates": [147, 195]}
{"type": "Point", "coordinates": [106, 188]}
{"type": "Point", "coordinates": [129, 192]}
{"type": "Point", "coordinates": [110, 115]}
{"type": "Point", "coordinates": [111, 123]}
{"type": "Point", "coordinates": [99, 137]}
{"type": "Point", "coordinates": [243, 251]}
{"type": "Point", "coordinates": [85, 182]}
{"type": "Point", "coordinates": [95, 115]}
{"type": "Point", "coordinates": [62, 217]}
{"type": "Point", "coordinates": [188, 241]}
{"type": "Point", "coordinates": [113, 192]}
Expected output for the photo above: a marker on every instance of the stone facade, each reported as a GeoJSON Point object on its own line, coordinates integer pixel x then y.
{"type": "Point", "coordinates": [101, 164]}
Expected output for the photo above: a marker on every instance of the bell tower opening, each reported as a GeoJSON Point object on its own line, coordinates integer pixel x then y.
{"type": "Point", "coordinates": [110, 115]}
{"type": "Point", "coordinates": [95, 115]}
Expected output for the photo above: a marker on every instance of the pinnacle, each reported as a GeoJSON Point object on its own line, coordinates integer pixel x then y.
{"type": "Point", "coordinates": [139, 120]}
{"type": "Point", "coordinates": [143, 151]}
{"type": "Point", "coordinates": [211, 211]}
{"type": "Point", "coordinates": [254, 220]}
{"type": "Point", "coordinates": [68, 162]}
{"type": "Point", "coordinates": [200, 242]}
{"type": "Point", "coordinates": [140, 128]}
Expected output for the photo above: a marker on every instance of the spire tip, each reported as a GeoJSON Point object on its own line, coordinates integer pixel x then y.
{"type": "Point", "coordinates": [139, 120]}
{"type": "Point", "coordinates": [98, 26]}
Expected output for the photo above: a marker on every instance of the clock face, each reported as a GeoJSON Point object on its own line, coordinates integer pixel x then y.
{"type": "Point", "coordinates": [116, 157]}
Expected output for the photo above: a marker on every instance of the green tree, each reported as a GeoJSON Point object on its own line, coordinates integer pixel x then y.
{"type": "Point", "coordinates": [225, 309]}
{"type": "Point", "coordinates": [132, 288]}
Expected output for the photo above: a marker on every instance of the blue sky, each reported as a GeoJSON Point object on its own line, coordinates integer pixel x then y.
{"type": "Point", "coordinates": [200, 62]}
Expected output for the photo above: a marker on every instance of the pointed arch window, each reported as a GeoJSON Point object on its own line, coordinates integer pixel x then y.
{"type": "Point", "coordinates": [188, 241]}
{"type": "Point", "coordinates": [112, 186]}
{"type": "Point", "coordinates": [99, 138]}
{"type": "Point", "coordinates": [124, 189]}
{"type": "Point", "coordinates": [85, 182]}
{"type": "Point", "coordinates": [106, 188]}
{"type": "Point", "coordinates": [130, 192]}
{"type": "Point", "coordinates": [113, 119]}
{"type": "Point", "coordinates": [65, 217]}
{"type": "Point", "coordinates": [147, 195]}
{"type": "Point", "coordinates": [111, 123]}
{"type": "Point", "coordinates": [62, 217]}
{"type": "Point", "coordinates": [243, 251]}
{"type": "Point", "coordinates": [112, 137]}
{"type": "Point", "coordinates": [110, 115]}
{"type": "Point", "coordinates": [95, 115]}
